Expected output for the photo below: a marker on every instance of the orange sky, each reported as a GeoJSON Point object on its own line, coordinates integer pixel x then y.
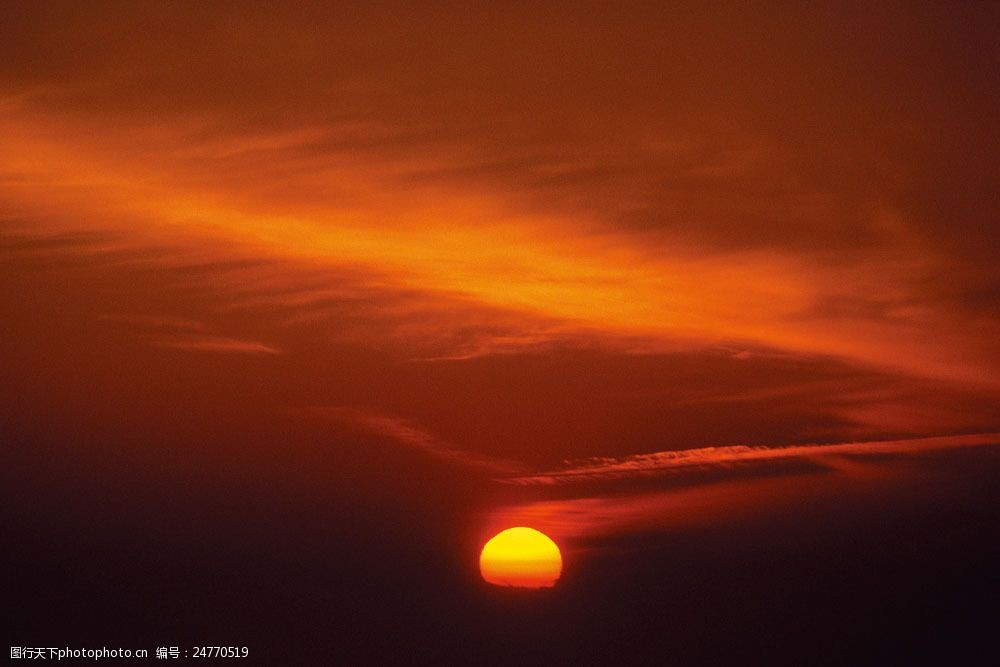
{"type": "Point", "coordinates": [502, 239]}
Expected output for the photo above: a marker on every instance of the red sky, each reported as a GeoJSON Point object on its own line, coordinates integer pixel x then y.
{"type": "Point", "coordinates": [499, 243]}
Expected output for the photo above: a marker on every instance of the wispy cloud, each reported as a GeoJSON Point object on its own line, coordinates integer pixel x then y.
{"type": "Point", "coordinates": [407, 433]}
{"type": "Point", "coordinates": [580, 270]}
{"type": "Point", "coordinates": [219, 344]}
{"type": "Point", "coordinates": [185, 333]}
{"type": "Point", "coordinates": [845, 473]}
{"type": "Point", "coordinates": [158, 322]}
{"type": "Point", "coordinates": [659, 462]}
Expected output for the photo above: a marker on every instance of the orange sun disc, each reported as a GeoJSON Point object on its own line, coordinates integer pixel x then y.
{"type": "Point", "coordinates": [521, 557]}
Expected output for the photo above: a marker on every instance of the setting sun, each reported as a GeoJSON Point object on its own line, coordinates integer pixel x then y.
{"type": "Point", "coordinates": [521, 557]}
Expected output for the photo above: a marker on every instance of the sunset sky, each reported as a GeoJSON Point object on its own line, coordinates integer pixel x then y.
{"type": "Point", "coordinates": [304, 302]}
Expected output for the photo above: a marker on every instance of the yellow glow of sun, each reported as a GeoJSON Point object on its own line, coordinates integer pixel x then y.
{"type": "Point", "coordinates": [521, 557]}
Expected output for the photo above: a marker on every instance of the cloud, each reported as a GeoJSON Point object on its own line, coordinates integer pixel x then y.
{"type": "Point", "coordinates": [158, 322]}
{"type": "Point", "coordinates": [707, 457]}
{"type": "Point", "coordinates": [601, 221]}
{"type": "Point", "coordinates": [723, 488]}
{"type": "Point", "coordinates": [406, 433]}
{"type": "Point", "coordinates": [569, 216]}
{"type": "Point", "coordinates": [219, 344]}
{"type": "Point", "coordinates": [185, 333]}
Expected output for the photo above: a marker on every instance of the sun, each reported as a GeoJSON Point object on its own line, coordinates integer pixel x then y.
{"type": "Point", "coordinates": [521, 557]}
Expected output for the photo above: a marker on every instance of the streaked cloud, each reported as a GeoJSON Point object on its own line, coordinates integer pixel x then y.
{"type": "Point", "coordinates": [406, 433]}
{"type": "Point", "coordinates": [718, 232]}
{"type": "Point", "coordinates": [732, 486]}
{"type": "Point", "coordinates": [158, 322]}
{"type": "Point", "coordinates": [218, 344]}
{"type": "Point", "coordinates": [707, 457]}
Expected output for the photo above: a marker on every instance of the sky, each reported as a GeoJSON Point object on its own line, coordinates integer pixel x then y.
{"type": "Point", "coordinates": [342, 290]}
